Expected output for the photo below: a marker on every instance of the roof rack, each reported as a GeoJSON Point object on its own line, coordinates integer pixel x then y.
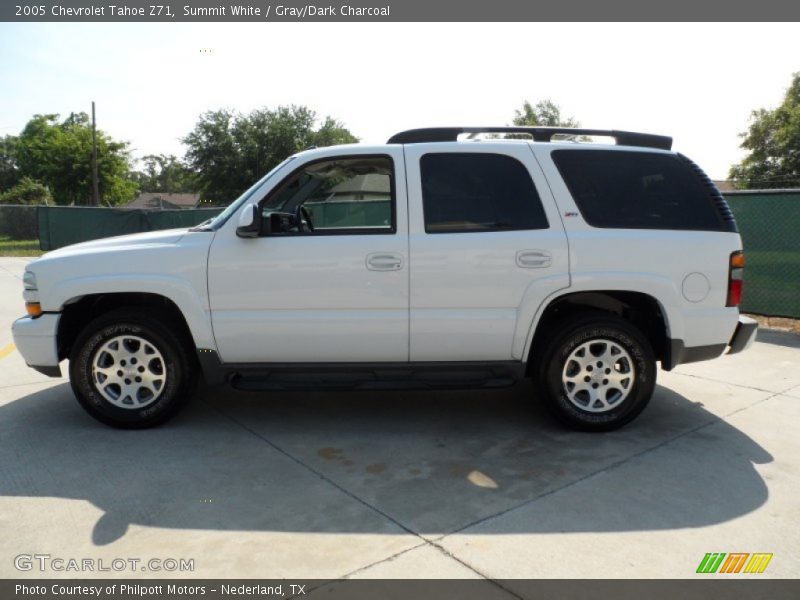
{"type": "Point", "coordinates": [539, 134]}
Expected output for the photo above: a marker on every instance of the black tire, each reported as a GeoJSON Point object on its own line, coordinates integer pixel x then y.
{"type": "Point", "coordinates": [570, 335]}
{"type": "Point", "coordinates": [179, 367]}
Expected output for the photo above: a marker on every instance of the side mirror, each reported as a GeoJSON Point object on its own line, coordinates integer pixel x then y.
{"type": "Point", "coordinates": [249, 222]}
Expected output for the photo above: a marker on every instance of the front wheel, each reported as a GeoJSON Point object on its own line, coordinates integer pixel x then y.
{"type": "Point", "coordinates": [597, 373]}
{"type": "Point", "coordinates": [130, 370]}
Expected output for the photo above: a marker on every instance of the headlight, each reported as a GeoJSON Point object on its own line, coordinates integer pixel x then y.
{"type": "Point", "coordinates": [29, 281]}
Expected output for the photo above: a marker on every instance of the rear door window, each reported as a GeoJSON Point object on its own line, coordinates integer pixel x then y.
{"type": "Point", "coordinates": [475, 192]}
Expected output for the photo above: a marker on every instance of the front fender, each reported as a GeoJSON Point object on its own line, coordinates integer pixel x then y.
{"type": "Point", "coordinates": [192, 303]}
{"type": "Point", "coordinates": [175, 269]}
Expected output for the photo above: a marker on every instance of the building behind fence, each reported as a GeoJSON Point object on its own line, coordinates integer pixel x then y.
{"type": "Point", "coordinates": [769, 222]}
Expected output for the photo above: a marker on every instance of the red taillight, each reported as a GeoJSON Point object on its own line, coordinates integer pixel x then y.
{"type": "Point", "coordinates": [735, 292]}
{"type": "Point", "coordinates": [735, 272]}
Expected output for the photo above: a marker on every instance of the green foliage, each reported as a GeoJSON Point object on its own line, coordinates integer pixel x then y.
{"type": "Point", "coordinates": [773, 141]}
{"type": "Point", "coordinates": [228, 151]}
{"type": "Point", "coordinates": [543, 114]}
{"type": "Point", "coordinates": [28, 192]}
{"type": "Point", "coordinates": [164, 173]}
{"type": "Point", "coordinates": [20, 222]}
{"type": "Point", "coordinates": [58, 154]}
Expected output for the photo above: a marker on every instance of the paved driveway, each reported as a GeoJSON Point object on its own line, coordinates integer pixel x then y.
{"type": "Point", "coordinates": [408, 484]}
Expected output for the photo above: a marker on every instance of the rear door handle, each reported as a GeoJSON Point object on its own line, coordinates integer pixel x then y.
{"type": "Point", "coordinates": [534, 259]}
{"type": "Point", "coordinates": [384, 261]}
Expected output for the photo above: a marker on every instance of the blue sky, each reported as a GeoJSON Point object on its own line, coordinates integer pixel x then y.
{"type": "Point", "coordinates": [696, 82]}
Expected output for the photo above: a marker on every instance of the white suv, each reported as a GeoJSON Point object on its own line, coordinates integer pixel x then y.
{"type": "Point", "coordinates": [432, 261]}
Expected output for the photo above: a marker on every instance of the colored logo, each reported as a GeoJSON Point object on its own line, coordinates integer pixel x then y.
{"type": "Point", "coordinates": [734, 562]}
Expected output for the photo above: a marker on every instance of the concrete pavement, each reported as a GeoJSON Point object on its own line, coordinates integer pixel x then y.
{"type": "Point", "coordinates": [462, 484]}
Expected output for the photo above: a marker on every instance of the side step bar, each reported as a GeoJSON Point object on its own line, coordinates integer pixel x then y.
{"type": "Point", "coordinates": [276, 383]}
{"type": "Point", "coordinates": [360, 376]}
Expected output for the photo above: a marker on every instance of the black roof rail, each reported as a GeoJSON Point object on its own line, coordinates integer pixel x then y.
{"type": "Point", "coordinates": [539, 134]}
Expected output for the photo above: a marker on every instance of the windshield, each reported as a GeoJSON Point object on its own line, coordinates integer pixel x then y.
{"type": "Point", "coordinates": [222, 217]}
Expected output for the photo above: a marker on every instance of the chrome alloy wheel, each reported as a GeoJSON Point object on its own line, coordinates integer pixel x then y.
{"type": "Point", "coordinates": [598, 375]}
{"type": "Point", "coordinates": [129, 372]}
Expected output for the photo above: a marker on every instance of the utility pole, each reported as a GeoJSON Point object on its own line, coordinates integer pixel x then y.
{"type": "Point", "coordinates": [95, 182]}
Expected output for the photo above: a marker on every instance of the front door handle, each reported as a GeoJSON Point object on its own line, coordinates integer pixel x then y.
{"type": "Point", "coordinates": [534, 259]}
{"type": "Point", "coordinates": [384, 261]}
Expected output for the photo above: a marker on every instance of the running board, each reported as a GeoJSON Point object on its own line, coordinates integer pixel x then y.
{"type": "Point", "coordinates": [359, 376]}
{"type": "Point", "coordinates": [260, 384]}
{"type": "Point", "coordinates": [372, 376]}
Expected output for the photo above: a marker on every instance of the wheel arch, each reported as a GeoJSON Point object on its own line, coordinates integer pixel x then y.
{"type": "Point", "coordinates": [80, 311]}
{"type": "Point", "coordinates": [639, 308]}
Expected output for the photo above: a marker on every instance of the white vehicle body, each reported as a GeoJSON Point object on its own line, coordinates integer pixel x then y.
{"type": "Point", "coordinates": [405, 296]}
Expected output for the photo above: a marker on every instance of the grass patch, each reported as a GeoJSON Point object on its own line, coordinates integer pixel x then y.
{"type": "Point", "coordinates": [9, 247]}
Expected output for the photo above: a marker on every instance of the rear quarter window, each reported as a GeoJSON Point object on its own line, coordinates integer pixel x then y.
{"type": "Point", "coordinates": [637, 190]}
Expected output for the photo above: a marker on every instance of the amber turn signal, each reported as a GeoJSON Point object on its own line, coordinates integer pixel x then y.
{"type": "Point", "coordinates": [34, 308]}
{"type": "Point", "coordinates": [737, 259]}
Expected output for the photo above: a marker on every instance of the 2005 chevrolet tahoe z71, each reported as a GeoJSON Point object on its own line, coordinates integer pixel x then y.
{"type": "Point", "coordinates": [430, 261]}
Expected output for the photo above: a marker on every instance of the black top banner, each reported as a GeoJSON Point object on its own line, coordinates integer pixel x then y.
{"type": "Point", "coordinates": [399, 10]}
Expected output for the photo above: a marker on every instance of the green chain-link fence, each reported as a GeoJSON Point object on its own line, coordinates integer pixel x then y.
{"type": "Point", "coordinates": [18, 222]}
{"type": "Point", "coordinates": [769, 222]}
{"type": "Point", "coordinates": [58, 226]}
{"type": "Point", "coordinates": [64, 225]}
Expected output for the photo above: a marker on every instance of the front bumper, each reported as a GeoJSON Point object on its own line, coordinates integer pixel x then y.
{"type": "Point", "coordinates": [744, 335]}
{"type": "Point", "coordinates": [35, 340]}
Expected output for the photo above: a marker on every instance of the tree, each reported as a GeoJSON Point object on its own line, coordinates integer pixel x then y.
{"type": "Point", "coordinates": [164, 173]}
{"type": "Point", "coordinates": [543, 114]}
{"type": "Point", "coordinates": [58, 154]}
{"type": "Point", "coordinates": [229, 151]}
{"type": "Point", "coordinates": [773, 141]}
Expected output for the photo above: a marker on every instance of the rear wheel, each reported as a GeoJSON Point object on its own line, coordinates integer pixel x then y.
{"type": "Point", "coordinates": [130, 370]}
{"type": "Point", "coordinates": [597, 372]}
